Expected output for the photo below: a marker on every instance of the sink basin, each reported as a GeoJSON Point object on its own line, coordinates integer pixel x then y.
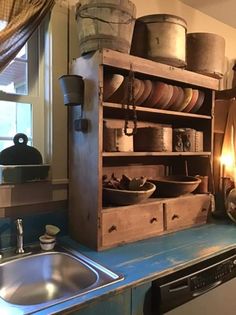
{"type": "Point", "coordinates": [43, 278]}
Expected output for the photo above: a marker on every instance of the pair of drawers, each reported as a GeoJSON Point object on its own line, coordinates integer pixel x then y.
{"type": "Point", "coordinates": [131, 223]}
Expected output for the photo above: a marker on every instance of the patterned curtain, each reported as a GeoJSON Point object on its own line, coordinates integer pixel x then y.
{"type": "Point", "coordinates": [18, 20]}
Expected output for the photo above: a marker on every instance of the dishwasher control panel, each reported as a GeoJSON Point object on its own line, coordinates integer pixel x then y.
{"type": "Point", "coordinates": [186, 284]}
{"type": "Point", "coordinates": [219, 273]}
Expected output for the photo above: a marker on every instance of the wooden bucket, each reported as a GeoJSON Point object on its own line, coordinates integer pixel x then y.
{"type": "Point", "coordinates": [105, 24]}
{"type": "Point", "coordinates": [205, 54]}
{"type": "Point", "coordinates": [162, 38]}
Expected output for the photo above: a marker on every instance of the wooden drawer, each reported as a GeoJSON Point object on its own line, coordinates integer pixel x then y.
{"type": "Point", "coordinates": [186, 211]}
{"type": "Point", "coordinates": [126, 224]}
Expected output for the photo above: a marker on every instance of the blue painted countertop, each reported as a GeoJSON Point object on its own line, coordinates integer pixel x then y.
{"type": "Point", "coordinates": [149, 259]}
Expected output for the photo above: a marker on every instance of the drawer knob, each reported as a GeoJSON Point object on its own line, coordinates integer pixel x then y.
{"type": "Point", "coordinates": [153, 220]}
{"type": "Point", "coordinates": [175, 216]}
{"type": "Point", "coordinates": [112, 228]}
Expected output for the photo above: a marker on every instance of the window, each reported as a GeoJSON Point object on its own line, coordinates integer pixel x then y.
{"type": "Point", "coordinates": [30, 97]}
{"type": "Point", "coordinates": [22, 96]}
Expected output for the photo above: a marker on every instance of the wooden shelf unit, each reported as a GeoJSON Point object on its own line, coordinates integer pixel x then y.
{"type": "Point", "coordinates": [90, 223]}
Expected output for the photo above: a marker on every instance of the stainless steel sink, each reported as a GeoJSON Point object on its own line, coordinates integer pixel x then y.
{"type": "Point", "coordinates": [39, 279]}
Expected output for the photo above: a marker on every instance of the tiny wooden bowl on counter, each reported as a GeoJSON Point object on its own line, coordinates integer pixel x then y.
{"type": "Point", "coordinates": [175, 185]}
{"type": "Point", "coordinates": [120, 197]}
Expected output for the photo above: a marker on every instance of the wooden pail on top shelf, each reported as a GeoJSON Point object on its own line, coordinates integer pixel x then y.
{"type": "Point", "coordinates": [162, 38]}
{"type": "Point", "coordinates": [105, 24]}
{"type": "Point", "coordinates": [205, 53]}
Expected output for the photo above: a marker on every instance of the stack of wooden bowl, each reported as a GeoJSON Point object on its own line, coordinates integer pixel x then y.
{"type": "Point", "coordinates": [153, 94]}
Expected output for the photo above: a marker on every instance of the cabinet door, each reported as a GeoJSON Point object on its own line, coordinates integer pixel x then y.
{"type": "Point", "coordinates": [142, 299]}
{"type": "Point", "coordinates": [114, 305]}
{"type": "Point", "coordinates": [125, 224]}
{"type": "Point", "coordinates": [186, 211]}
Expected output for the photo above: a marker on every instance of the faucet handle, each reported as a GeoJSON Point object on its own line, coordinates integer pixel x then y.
{"type": "Point", "coordinates": [19, 226]}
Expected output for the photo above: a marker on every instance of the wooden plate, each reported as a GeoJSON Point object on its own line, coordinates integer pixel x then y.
{"type": "Point", "coordinates": [176, 105]}
{"type": "Point", "coordinates": [199, 102]}
{"type": "Point", "coordinates": [193, 101]}
{"type": "Point", "coordinates": [138, 90]}
{"type": "Point", "coordinates": [174, 96]}
{"type": "Point", "coordinates": [188, 93]}
{"type": "Point", "coordinates": [156, 93]}
{"type": "Point", "coordinates": [146, 92]}
{"type": "Point", "coordinates": [167, 95]}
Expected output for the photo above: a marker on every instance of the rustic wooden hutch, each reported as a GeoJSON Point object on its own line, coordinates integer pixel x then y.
{"type": "Point", "coordinates": [101, 228]}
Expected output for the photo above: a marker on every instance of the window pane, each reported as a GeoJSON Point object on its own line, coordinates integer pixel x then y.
{"type": "Point", "coordinates": [22, 54]}
{"type": "Point", "coordinates": [24, 119]}
{"type": "Point", "coordinates": [5, 144]}
{"type": "Point", "coordinates": [8, 115]}
{"type": "Point", "coordinates": [14, 78]}
{"type": "Point", "coordinates": [15, 117]}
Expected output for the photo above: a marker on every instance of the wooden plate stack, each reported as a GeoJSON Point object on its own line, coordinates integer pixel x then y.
{"type": "Point", "coordinates": [153, 94]}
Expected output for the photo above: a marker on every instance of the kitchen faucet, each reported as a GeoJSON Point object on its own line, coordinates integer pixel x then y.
{"type": "Point", "coordinates": [19, 236]}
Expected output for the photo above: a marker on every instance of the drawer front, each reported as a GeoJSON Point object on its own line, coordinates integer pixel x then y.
{"type": "Point", "coordinates": [187, 211]}
{"type": "Point", "coordinates": [126, 224]}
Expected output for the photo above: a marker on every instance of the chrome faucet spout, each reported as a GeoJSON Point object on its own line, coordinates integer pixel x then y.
{"type": "Point", "coordinates": [19, 236]}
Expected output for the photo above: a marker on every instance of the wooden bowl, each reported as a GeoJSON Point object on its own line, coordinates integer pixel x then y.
{"type": "Point", "coordinates": [166, 96]}
{"type": "Point", "coordinates": [199, 102]}
{"type": "Point", "coordinates": [127, 197]}
{"type": "Point", "coordinates": [146, 92]}
{"type": "Point", "coordinates": [175, 185]}
{"type": "Point", "coordinates": [156, 93]}
{"type": "Point", "coordinates": [188, 94]}
{"type": "Point", "coordinates": [138, 90]}
{"type": "Point", "coordinates": [193, 101]}
{"type": "Point", "coordinates": [174, 97]}
{"type": "Point", "coordinates": [120, 93]}
{"type": "Point", "coordinates": [111, 82]}
{"type": "Point", "coordinates": [179, 100]}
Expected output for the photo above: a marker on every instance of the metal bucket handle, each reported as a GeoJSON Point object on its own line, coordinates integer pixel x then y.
{"type": "Point", "coordinates": [101, 5]}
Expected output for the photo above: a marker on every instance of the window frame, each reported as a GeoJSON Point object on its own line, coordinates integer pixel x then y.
{"type": "Point", "coordinates": [49, 130]}
{"type": "Point", "coordinates": [35, 95]}
{"type": "Point", "coordinates": [43, 196]}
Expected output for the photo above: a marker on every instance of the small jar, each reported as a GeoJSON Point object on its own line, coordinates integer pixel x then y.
{"type": "Point", "coordinates": [47, 243]}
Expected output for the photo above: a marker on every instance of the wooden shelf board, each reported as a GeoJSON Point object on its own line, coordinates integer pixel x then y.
{"type": "Point", "coordinates": [159, 111]}
{"type": "Point", "coordinates": [149, 67]}
{"type": "Point", "coordinates": [150, 201]}
{"type": "Point", "coordinates": [133, 154]}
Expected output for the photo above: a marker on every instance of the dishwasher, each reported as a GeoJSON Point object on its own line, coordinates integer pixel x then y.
{"type": "Point", "coordinates": [206, 288]}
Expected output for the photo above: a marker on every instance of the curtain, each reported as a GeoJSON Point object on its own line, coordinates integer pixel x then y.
{"type": "Point", "coordinates": [18, 20]}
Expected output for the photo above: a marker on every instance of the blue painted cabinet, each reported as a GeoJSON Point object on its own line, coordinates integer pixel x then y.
{"type": "Point", "coordinates": [141, 299]}
{"type": "Point", "coordinates": [134, 301]}
{"type": "Point", "coordinates": [119, 304]}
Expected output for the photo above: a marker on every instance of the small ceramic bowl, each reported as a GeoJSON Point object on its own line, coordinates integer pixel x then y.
{"type": "Point", "coordinates": [47, 243]}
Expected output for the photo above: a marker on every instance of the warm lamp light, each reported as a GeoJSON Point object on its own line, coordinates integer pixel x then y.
{"type": "Point", "coordinates": [227, 160]}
